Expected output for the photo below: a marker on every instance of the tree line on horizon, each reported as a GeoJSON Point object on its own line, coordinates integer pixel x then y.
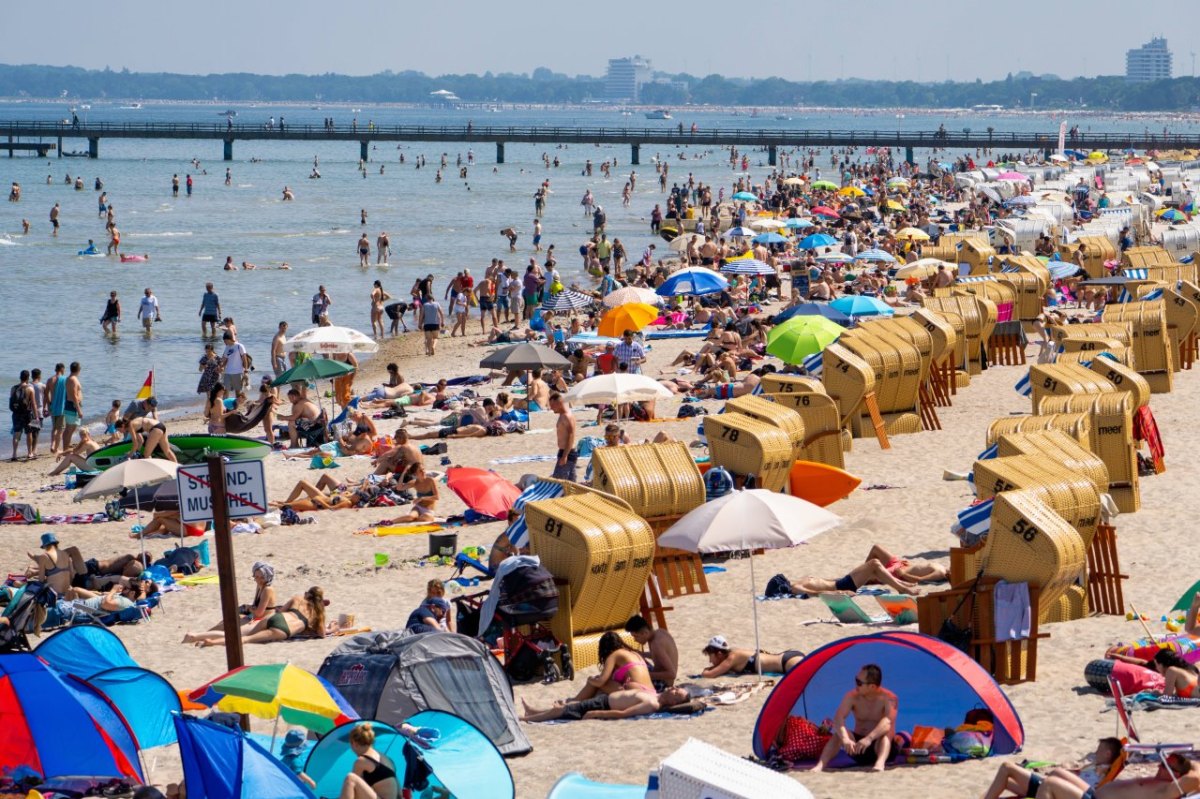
{"type": "Point", "coordinates": [1099, 93]}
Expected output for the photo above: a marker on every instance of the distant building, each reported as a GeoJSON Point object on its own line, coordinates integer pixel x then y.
{"type": "Point", "coordinates": [1151, 61]}
{"type": "Point", "coordinates": [623, 82]}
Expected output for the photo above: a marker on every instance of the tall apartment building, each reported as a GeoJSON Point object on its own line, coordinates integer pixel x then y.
{"type": "Point", "coordinates": [1151, 61]}
{"type": "Point", "coordinates": [623, 82]}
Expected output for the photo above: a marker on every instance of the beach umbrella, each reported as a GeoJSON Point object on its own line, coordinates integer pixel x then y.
{"type": "Point", "coordinates": [747, 266]}
{"type": "Point", "coordinates": [816, 240]}
{"type": "Point", "coordinates": [793, 181]}
{"type": "Point", "coordinates": [898, 183]}
{"type": "Point", "coordinates": [631, 294]}
{"type": "Point", "coordinates": [1061, 270]}
{"type": "Point", "coordinates": [926, 267]}
{"type": "Point", "coordinates": [824, 210]}
{"type": "Point", "coordinates": [631, 316]}
{"type": "Point", "coordinates": [61, 726]}
{"type": "Point", "coordinates": [857, 305]}
{"type": "Point", "coordinates": [1096, 156]}
{"type": "Point", "coordinates": [802, 336]}
{"type": "Point", "coordinates": [223, 763]}
{"type": "Point", "coordinates": [313, 369]}
{"type": "Point", "coordinates": [277, 691]}
{"type": "Point", "coordinates": [834, 258]}
{"type": "Point", "coordinates": [693, 280]}
{"type": "Point", "coordinates": [567, 300]}
{"type": "Point", "coordinates": [1021, 201]}
{"type": "Point", "coordinates": [893, 205]}
{"type": "Point", "coordinates": [680, 243]}
{"type": "Point", "coordinates": [741, 232]}
{"type": "Point", "coordinates": [1173, 215]}
{"type": "Point", "coordinates": [798, 223]}
{"type": "Point", "coordinates": [1059, 158]}
{"type": "Point", "coordinates": [132, 475]}
{"type": "Point", "coordinates": [767, 224]}
{"type": "Point", "coordinates": [745, 196]}
{"type": "Point", "coordinates": [825, 184]}
{"type": "Point", "coordinates": [519, 357]}
{"type": "Point", "coordinates": [1015, 177]}
{"type": "Point", "coordinates": [911, 234]}
{"type": "Point", "coordinates": [851, 191]}
{"type": "Point", "coordinates": [813, 309]}
{"type": "Point", "coordinates": [617, 388]}
{"type": "Point", "coordinates": [769, 238]}
{"type": "Point", "coordinates": [484, 491]}
{"type": "Point", "coordinates": [331, 340]}
{"type": "Point", "coordinates": [746, 521]}
{"type": "Point", "coordinates": [880, 256]}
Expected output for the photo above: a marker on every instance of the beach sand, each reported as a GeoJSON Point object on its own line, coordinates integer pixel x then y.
{"type": "Point", "coordinates": [912, 516]}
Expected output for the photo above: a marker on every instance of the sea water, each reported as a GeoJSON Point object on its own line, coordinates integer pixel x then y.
{"type": "Point", "coordinates": [51, 299]}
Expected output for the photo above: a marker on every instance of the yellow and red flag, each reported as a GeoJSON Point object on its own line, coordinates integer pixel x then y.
{"type": "Point", "coordinates": [147, 390]}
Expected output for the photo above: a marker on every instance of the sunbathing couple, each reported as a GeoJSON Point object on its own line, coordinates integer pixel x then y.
{"type": "Point", "coordinates": [623, 689]}
{"type": "Point", "coordinates": [65, 570]}
{"type": "Point", "coordinates": [881, 567]}
{"type": "Point", "coordinates": [300, 615]}
{"type": "Point", "coordinates": [329, 494]}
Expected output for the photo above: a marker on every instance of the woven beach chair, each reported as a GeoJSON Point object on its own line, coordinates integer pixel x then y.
{"type": "Point", "coordinates": [822, 426]}
{"type": "Point", "coordinates": [746, 446]}
{"type": "Point", "coordinates": [1112, 439]}
{"type": "Point", "coordinates": [774, 414]}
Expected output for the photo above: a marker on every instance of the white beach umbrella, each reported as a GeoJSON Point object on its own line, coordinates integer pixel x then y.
{"type": "Point", "coordinates": [617, 388]}
{"type": "Point", "coordinates": [330, 340]}
{"type": "Point", "coordinates": [680, 243]}
{"type": "Point", "coordinates": [630, 294]}
{"type": "Point", "coordinates": [767, 224]}
{"type": "Point", "coordinates": [132, 475]}
{"type": "Point", "coordinates": [749, 520]}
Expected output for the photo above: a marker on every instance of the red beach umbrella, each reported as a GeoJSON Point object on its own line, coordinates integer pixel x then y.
{"type": "Point", "coordinates": [484, 491]}
{"type": "Point", "coordinates": [825, 210]}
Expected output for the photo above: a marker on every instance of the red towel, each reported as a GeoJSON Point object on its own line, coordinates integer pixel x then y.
{"type": "Point", "coordinates": [1146, 429]}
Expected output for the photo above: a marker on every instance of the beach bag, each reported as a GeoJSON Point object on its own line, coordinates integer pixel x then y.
{"type": "Point", "coordinates": [183, 560]}
{"type": "Point", "coordinates": [927, 738]}
{"type": "Point", "coordinates": [972, 740]}
{"type": "Point", "coordinates": [779, 586]}
{"type": "Point", "coordinates": [16, 400]}
{"type": "Point", "coordinates": [801, 740]}
{"type": "Point", "coordinates": [951, 631]}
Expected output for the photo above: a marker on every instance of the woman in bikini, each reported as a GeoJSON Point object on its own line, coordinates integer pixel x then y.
{"type": "Point", "coordinates": [1180, 677]}
{"type": "Point", "coordinates": [148, 436]}
{"type": "Point", "coordinates": [378, 298]}
{"type": "Point", "coordinates": [373, 775]}
{"type": "Point", "coordinates": [300, 615]}
{"type": "Point", "coordinates": [624, 669]}
{"type": "Point", "coordinates": [426, 489]}
{"type": "Point", "coordinates": [724, 659]}
{"type": "Point", "coordinates": [214, 410]}
{"type": "Point", "coordinates": [327, 494]}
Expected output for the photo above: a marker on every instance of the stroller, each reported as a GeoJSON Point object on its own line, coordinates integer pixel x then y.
{"type": "Point", "coordinates": [24, 613]}
{"type": "Point", "coordinates": [528, 598]}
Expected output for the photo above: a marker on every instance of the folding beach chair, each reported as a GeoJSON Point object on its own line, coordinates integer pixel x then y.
{"type": "Point", "coordinates": [900, 608]}
{"type": "Point", "coordinates": [847, 611]}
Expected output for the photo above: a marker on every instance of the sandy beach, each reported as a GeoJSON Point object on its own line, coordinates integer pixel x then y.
{"type": "Point", "coordinates": [910, 513]}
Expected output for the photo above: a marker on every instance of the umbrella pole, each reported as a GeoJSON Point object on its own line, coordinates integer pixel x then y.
{"type": "Point", "coordinates": [274, 730]}
{"type": "Point", "coordinates": [137, 503]}
{"type": "Point", "coordinates": [754, 608]}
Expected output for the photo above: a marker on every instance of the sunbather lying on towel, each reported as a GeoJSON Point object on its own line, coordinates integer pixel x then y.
{"type": "Point", "coordinates": [724, 659]}
{"type": "Point", "coordinates": [116, 599]}
{"type": "Point", "coordinates": [621, 704]}
{"type": "Point", "coordinates": [300, 615]}
{"type": "Point", "coordinates": [1180, 676]}
{"type": "Point", "coordinates": [65, 568]}
{"type": "Point", "coordinates": [329, 494]}
{"type": "Point", "coordinates": [1160, 786]}
{"type": "Point", "coordinates": [1023, 782]}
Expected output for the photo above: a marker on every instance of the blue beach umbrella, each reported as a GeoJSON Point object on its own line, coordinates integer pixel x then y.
{"type": "Point", "coordinates": [879, 256]}
{"type": "Point", "coordinates": [817, 240]}
{"type": "Point", "coordinates": [768, 238]}
{"type": "Point", "coordinates": [798, 223]}
{"type": "Point", "coordinates": [813, 309]}
{"type": "Point", "coordinates": [693, 280]}
{"type": "Point", "coordinates": [747, 266]}
{"type": "Point", "coordinates": [857, 305]}
{"type": "Point", "coordinates": [741, 232]}
{"type": "Point", "coordinates": [745, 196]}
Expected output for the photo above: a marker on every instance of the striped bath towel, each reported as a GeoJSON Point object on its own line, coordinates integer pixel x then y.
{"type": "Point", "coordinates": [975, 522]}
{"type": "Point", "coordinates": [517, 532]}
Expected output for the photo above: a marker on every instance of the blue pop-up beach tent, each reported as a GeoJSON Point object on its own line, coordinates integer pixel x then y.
{"type": "Point", "coordinates": [220, 763]}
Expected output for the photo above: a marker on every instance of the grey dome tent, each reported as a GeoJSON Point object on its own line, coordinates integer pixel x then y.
{"type": "Point", "coordinates": [389, 676]}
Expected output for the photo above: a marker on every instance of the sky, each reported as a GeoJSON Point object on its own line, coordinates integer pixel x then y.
{"type": "Point", "coordinates": [814, 40]}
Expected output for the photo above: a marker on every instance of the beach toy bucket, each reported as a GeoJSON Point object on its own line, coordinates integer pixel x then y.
{"type": "Point", "coordinates": [203, 553]}
{"type": "Point", "coordinates": [443, 544]}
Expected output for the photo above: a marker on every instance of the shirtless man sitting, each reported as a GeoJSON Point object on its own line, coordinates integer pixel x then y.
{"type": "Point", "coordinates": [660, 648]}
{"type": "Point", "coordinates": [622, 704]}
{"type": "Point", "coordinates": [869, 742]}
{"type": "Point", "coordinates": [537, 394]}
{"type": "Point", "coordinates": [304, 414]}
{"type": "Point", "coordinates": [401, 457]}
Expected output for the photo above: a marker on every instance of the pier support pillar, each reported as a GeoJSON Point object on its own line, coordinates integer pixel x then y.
{"type": "Point", "coordinates": [499, 152]}
{"type": "Point", "coordinates": [908, 155]}
{"type": "Point", "coordinates": [59, 148]}
{"type": "Point", "coordinates": [635, 153]}
{"type": "Point", "coordinates": [364, 150]}
{"type": "Point", "coordinates": [93, 147]}
{"type": "Point", "coordinates": [772, 155]}
{"type": "Point", "coordinates": [228, 154]}
{"type": "Point", "coordinates": [10, 150]}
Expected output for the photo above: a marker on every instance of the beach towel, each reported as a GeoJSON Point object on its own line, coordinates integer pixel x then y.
{"type": "Point", "coordinates": [518, 534]}
{"type": "Point", "coordinates": [1146, 429]}
{"type": "Point", "coordinates": [1011, 611]}
{"type": "Point", "coordinates": [523, 459]}
{"type": "Point", "coordinates": [199, 579]}
{"type": "Point", "coordinates": [400, 529]}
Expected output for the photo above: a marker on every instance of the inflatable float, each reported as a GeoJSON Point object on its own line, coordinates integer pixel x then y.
{"type": "Point", "coordinates": [126, 259]}
{"type": "Point", "coordinates": [188, 449]}
{"type": "Point", "coordinates": [820, 483]}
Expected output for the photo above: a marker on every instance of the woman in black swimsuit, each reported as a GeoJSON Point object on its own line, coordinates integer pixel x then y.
{"type": "Point", "coordinates": [148, 435]}
{"type": "Point", "coordinates": [300, 615]}
{"type": "Point", "coordinates": [373, 775]}
{"type": "Point", "coordinates": [724, 659]}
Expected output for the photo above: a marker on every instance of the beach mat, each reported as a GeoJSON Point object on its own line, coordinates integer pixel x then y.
{"type": "Point", "coordinates": [199, 579]}
{"type": "Point", "coordinates": [401, 529]}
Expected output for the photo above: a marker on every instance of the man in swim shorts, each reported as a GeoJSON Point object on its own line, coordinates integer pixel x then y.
{"type": "Point", "coordinates": [73, 405]}
{"type": "Point", "coordinates": [210, 311]}
{"type": "Point", "coordinates": [869, 741]}
{"type": "Point", "coordinates": [54, 220]}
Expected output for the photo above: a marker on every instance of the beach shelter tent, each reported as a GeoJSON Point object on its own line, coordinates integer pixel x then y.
{"type": "Point", "coordinates": [462, 759]}
{"type": "Point", "coordinates": [935, 685]}
{"type": "Point", "coordinates": [59, 726]}
{"type": "Point", "coordinates": [84, 650]}
{"type": "Point", "coordinates": [222, 763]}
{"type": "Point", "coordinates": [392, 675]}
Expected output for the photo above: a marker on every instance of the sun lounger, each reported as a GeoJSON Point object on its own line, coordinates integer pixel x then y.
{"type": "Point", "coordinates": [847, 611]}
{"type": "Point", "coordinates": [902, 609]}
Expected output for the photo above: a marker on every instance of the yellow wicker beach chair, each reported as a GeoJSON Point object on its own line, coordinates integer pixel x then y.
{"type": "Point", "coordinates": [790, 384]}
{"type": "Point", "coordinates": [746, 446]}
{"type": "Point", "coordinates": [822, 426]}
{"type": "Point", "coordinates": [1111, 424]}
{"type": "Point", "coordinates": [774, 414]}
{"type": "Point", "coordinates": [1057, 450]}
{"type": "Point", "coordinates": [1072, 495]}
{"type": "Point", "coordinates": [1150, 342]}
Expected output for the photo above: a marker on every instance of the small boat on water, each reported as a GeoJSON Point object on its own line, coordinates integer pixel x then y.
{"type": "Point", "coordinates": [132, 107]}
{"type": "Point", "coordinates": [230, 113]}
{"type": "Point", "coordinates": [658, 113]}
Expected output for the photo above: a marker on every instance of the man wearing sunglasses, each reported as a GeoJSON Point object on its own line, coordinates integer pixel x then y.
{"type": "Point", "coordinates": [869, 741]}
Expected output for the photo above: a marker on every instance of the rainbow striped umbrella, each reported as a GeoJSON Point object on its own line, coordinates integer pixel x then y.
{"type": "Point", "coordinates": [278, 691]}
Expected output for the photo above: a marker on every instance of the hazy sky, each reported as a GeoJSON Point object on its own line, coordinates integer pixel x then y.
{"type": "Point", "coordinates": [818, 39]}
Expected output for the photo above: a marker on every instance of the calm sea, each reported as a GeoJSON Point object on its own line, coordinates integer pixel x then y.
{"type": "Point", "coordinates": [52, 299]}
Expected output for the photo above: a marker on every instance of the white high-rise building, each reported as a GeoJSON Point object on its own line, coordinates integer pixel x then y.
{"type": "Point", "coordinates": [1151, 61]}
{"type": "Point", "coordinates": [625, 77]}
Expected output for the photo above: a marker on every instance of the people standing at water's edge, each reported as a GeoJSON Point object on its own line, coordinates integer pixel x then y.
{"type": "Point", "coordinates": [175, 185]}
{"type": "Point", "coordinates": [235, 362]}
{"type": "Point", "coordinates": [21, 405]}
{"type": "Point", "coordinates": [112, 314]}
{"type": "Point", "coordinates": [378, 298]}
{"type": "Point", "coordinates": [383, 248]}
{"type": "Point", "coordinates": [148, 310]}
{"type": "Point", "coordinates": [40, 411]}
{"type": "Point", "coordinates": [432, 321]}
{"type": "Point", "coordinates": [320, 305]}
{"type": "Point", "coordinates": [72, 405]}
{"type": "Point", "coordinates": [364, 250]}
{"type": "Point", "coordinates": [210, 311]}
{"type": "Point", "coordinates": [54, 220]}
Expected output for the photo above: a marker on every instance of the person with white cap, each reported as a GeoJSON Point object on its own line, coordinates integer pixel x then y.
{"type": "Point", "coordinates": [724, 659]}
